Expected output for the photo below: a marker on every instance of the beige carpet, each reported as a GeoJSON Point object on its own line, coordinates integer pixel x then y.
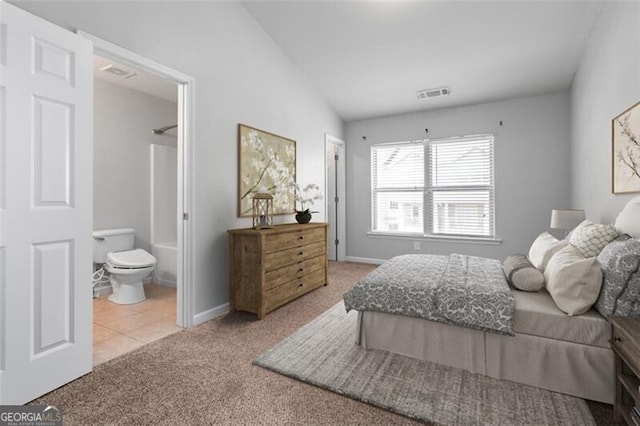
{"type": "Point", "coordinates": [323, 353]}
{"type": "Point", "coordinates": [205, 376]}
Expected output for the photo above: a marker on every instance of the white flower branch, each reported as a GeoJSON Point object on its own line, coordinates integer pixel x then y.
{"type": "Point", "coordinates": [306, 196]}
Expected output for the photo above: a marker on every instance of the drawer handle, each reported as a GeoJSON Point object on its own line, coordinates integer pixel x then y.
{"type": "Point", "coordinates": [300, 285]}
{"type": "Point", "coordinates": [301, 269]}
{"type": "Point", "coordinates": [617, 339]}
{"type": "Point", "coordinates": [301, 253]}
{"type": "Point", "coordinates": [301, 237]}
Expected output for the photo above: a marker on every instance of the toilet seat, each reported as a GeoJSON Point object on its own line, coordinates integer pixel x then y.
{"type": "Point", "coordinates": [130, 259]}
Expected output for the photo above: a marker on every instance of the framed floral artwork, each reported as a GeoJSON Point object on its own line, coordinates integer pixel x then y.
{"type": "Point", "coordinates": [265, 161]}
{"type": "Point", "coordinates": [625, 136]}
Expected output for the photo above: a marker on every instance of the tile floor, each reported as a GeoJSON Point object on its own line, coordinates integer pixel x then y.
{"type": "Point", "coordinates": [118, 329]}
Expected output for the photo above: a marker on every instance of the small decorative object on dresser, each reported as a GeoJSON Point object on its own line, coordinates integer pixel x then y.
{"type": "Point", "coordinates": [262, 209]}
{"type": "Point", "coordinates": [305, 197]}
{"type": "Point", "coordinates": [625, 343]}
{"type": "Point", "coordinates": [303, 217]}
{"type": "Point", "coordinates": [270, 267]}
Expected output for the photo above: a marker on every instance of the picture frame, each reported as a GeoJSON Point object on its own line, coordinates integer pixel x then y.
{"type": "Point", "coordinates": [265, 160]}
{"type": "Point", "coordinates": [625, 151]}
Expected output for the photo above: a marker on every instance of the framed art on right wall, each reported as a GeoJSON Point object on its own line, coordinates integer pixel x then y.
{"type": "Point", "coordinates": [625, 155]}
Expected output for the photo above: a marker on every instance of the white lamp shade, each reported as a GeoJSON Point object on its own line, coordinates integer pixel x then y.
{"type": "Point", "coordinates": [566, 218]}
{"type": "Point", "coordinates": [627, 221]}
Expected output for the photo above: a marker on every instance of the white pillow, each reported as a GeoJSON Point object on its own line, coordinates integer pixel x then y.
{"type": "Point", "coordinates": [628, 221]}
{"type": "Point", "coordinates": [590, 238]}
{"type": "Point", "coordinates": [543, 248]}
{"type": "Point", "coordinates": [573, 281]}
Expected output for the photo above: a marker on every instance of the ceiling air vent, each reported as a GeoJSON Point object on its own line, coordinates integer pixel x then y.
{"type": "Point", "coordinates": [433, 93]}
{"type": "Point", "coordinates": [117, 71]}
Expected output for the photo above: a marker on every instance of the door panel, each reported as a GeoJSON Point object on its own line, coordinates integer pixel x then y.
{"type": "Point", "coordinates": [3, 310]}
{"type": "Point", "coordinates": [53, 146]}
{"type": "Point", "coordinates": [3, 44]}
{"type": "Point", "coordinates": [45, 218]}
{"type": "Point", "coordinates": [3, 180]}
{"type": "Point", "coordinates": [332, 217]}
{"type": "Point", "coordinates": [53, 289]}
{"type": "Point", "coordinates": [3, 168]}
{"type": "Point", "coordinates": [53, 61]}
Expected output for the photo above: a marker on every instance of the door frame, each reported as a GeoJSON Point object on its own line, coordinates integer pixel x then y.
{"type": "Point", "coordinates": [341, 251]}
{"type": "Point", "coordinates": [186, 139]}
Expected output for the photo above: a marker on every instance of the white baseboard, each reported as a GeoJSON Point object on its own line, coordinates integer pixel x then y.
{"type": "Point", "coordinates": [365, 260]}
{"type": "Point", "coordinates": [166, 283]}
{"type": "Point", "coordinates": [210, 314]}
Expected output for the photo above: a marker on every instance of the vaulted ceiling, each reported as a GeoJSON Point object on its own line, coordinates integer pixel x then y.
{"type": "Point", "coordinates": [368, 59]}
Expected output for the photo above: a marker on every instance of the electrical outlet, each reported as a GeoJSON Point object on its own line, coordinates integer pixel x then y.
{"type": "Point", "coordinates": [416, 245]}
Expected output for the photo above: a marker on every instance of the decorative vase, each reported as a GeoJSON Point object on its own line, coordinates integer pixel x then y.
{"type": "Point", "coordinates": [303, 217]}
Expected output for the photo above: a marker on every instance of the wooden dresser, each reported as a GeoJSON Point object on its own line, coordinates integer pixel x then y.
{"type": "Point", "coordinates": [270, 267]}
{"type": "Point", "coordinates": [625, 343]}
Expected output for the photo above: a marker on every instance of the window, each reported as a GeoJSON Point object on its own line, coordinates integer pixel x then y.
{"type": "Point", "coordinates": [434, 187]}
{"type": "Point", "coordinates": [397, 177]}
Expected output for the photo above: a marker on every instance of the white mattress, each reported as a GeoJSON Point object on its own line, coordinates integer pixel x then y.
{"type": "Point", "coordinates": [537, 315]}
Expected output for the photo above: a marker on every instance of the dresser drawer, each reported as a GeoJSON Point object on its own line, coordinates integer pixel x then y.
{"type": "Point", "coordinates": [281, 258]}
{"type": "Point", "coordinates": [285, 240]}
{"type": "Point", "coordinates": [296, 270]}
{"type": "Point", "coordinates": [288, 291]}
{"type": "Point", "coordinates": [626, 347]}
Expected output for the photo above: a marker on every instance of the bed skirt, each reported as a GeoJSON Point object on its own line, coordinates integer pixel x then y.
{"type": "Point", "coordinates": [576, 369]}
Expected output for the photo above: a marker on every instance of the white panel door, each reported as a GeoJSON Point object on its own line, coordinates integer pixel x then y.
{"type": "Point", "coordinates": [46, 155]}
{"type": "Point", "coordinates": [332, 207]}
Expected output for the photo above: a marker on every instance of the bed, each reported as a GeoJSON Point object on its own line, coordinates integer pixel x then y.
{"type": "Point", "coordinates": [538, 345]}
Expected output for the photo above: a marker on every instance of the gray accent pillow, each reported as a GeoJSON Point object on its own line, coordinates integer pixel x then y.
{"type": "Point", "coordinates": [620, 261]}
{"type": "Point", "coordinates": [522, 274]}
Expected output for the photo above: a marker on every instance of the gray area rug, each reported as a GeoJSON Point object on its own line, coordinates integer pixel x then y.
{"type": "Point", "coordinates": [323, 353]}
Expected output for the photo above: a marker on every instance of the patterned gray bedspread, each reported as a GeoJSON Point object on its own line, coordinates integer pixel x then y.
{"type": "Point", "coordinates": [456, 289]}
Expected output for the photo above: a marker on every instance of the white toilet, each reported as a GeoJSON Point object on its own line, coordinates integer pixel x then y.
{"type": "Point", "coordinates": [127, 267]}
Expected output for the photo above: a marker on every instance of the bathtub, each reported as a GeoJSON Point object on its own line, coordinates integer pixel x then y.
{"type": "Point", "coordinates": [166, 269]}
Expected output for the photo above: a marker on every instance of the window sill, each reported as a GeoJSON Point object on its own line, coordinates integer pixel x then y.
{"type": "Point", "coordinates": [434, 238]}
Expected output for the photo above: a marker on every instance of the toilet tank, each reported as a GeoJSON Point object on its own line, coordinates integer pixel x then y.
{"type": "Point", "coordinates": [108, 240]}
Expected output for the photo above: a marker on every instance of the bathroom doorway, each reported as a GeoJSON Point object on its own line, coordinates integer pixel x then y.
{"type": "Point", "coordinates": [155, 121]}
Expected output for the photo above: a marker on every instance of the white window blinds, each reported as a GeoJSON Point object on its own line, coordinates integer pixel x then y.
{"type": "Point", "coordinates": [461, 186]}
{"type": "Point", "coordinates": [437, 187]}
{"type": "Point", "coordinates": [397, 182]}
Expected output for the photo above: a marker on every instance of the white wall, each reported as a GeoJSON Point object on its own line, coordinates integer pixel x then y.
{"type": "Point", "coordinates": [606, 83]}
{"type": "Point", "coordinates": [123, 121]}
{"type": "Point", "coordinates": [241, 77]}
{"type": "Point", "coordinates": [531, 170]}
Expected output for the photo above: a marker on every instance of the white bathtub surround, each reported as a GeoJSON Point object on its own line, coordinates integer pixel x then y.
{"type": "Point", "coordinates": [164, 193]}
{"type": "Point", "coordinates": [166, 269]}
{"type": "Point", "coordinates": [164, 212]}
